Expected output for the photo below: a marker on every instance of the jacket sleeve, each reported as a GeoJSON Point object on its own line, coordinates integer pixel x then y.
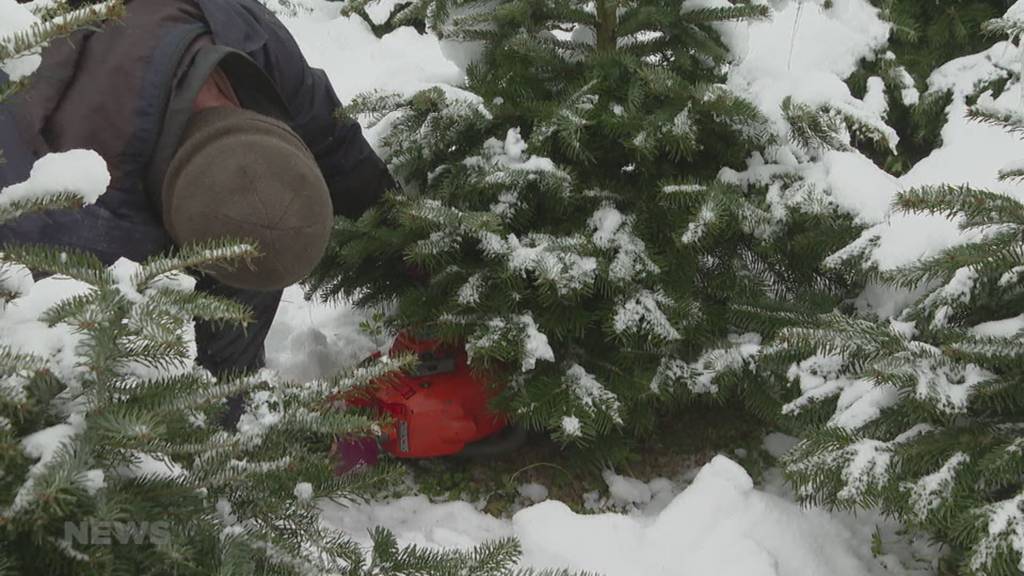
{"type": "Point", "coordinates": [356, 176]}
{"type": "Point", "coordinates": [15, 158]}
{"type": "Point", "coordinates": [92, 228]}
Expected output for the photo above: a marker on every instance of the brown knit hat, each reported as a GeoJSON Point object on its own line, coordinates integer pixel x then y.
{"type": "Point", "coordinates": [239, 174]}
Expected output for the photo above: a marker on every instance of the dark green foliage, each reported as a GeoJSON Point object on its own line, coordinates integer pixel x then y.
{"type": "Point", "coordinates": [140, 445]}
{"type": "Point", "coordinates": [497, 558]}
{"type": "Point", "coordinates": [113, 461]}
{"type": "Point", "coordinates": [135, 397]}
{"type": "Point", "coordinates": [925, 35]}
{"type": "Point", "coordinates": [572, 196]}
{"type": "Point", "coordinates": [936, 439]}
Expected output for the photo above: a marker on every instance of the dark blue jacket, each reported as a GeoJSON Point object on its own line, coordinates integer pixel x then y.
{"type": "Point", "coordinates": [108, 91]}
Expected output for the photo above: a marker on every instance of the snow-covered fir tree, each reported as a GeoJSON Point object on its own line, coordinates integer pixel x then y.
{"type": "Point", "coordinates": [922, 416]}
{"type": "Point", "coordinates": [926, 35]}
{"type": "Point", "coordinates": [112, 458]}
{"type": "Point", "coordinates": [563, 219]}
{"type": "Point", "coordinates": [923, 36]}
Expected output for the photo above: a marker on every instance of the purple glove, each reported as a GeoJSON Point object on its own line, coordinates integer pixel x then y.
{"type": "Point", "coordinates": [352, 453]}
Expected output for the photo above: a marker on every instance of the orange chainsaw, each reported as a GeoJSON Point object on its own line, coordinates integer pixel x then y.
{"type": "Point", "coordinates": [439, 408]}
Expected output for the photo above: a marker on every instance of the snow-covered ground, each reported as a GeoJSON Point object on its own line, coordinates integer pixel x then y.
{"type": "Point", "coordinates": [720, 523]}
{"type": "Point", "coordinates": [714, 521]}
{"type": "Point", "coordinates": [711, 521]}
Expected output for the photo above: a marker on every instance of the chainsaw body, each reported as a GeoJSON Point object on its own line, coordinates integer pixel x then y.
{"type": "Point", "coordinates": [436, 409]}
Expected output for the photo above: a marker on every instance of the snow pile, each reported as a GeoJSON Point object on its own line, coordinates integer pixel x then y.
{"type": "Point", "coordinates": [630, 494]}
{"type": "Point", "coordinates": [23, 331]}
{"type": "Point", "coordinates": [533, 492]}
{"type": "Point", "coordinates": [804, 53]}
{"type": "Point", "coordinates": [82, 173]}
{"type": "Point", "coordinates": [972, 153]}
{"type": "Point", "coordinates": [310, 340]}
{"type": "Point", "coordinates": [1000, 328]}
{"type": "Point", "coordinates": [15, 18]}
{"type": "Point", "coordinates": [720, 525]}
{"type": "Point", "coordinates": [356, 61]}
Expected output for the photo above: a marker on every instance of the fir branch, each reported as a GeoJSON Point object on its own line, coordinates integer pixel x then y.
{"type": "Point", "coordinates": [712, 15]}
{"type": "Point", "coordinates": [82, 266]}
{"type": "Point", "coordinates": [220, 252]}
{"type": "Point", "coordinates": [1009, 120]}
{"type": "Point", "coordinates": [29, 41]}
{"type": "Point", "coordinates": [978, 207]}
{"type": "Point", "coordinates": [58, 201]}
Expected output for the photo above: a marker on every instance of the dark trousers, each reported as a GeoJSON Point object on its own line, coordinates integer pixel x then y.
{"type": "Point", "coordinates": [229, 349]}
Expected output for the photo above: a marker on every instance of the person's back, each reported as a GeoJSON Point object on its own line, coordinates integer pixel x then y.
{"type": "Point", "coordinates": [129, 92]}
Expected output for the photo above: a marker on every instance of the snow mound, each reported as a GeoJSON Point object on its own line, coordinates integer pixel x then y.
{"type": "Point", "coordinates": [972, 154]}
{"type": "Point", "coordinates": [719, 526]}
{"type": "Point", "coordinates": [82, 173]}
{"type": "Point", "coordinates": [356, 61]}
{"type": "Point", "coordinates": [804, 51]}
{"type": "Point", "coordinates": [417, 520]}
{"type": "Point", "coordinates": [15, 18]}
{"type": "Point", "coordinates": [311, 340]}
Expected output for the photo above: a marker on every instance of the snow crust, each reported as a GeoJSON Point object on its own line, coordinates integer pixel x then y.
{"type": "Point", "coordinates": [804, 51]}
{"type": "Point", "coordinates": [720, 525]}
{"type": "Point", "coordinates": [356, 61]}
{"type": "Point", "coordinates": [310, 340]}
{"type": "Point", "coordinates": [15, 18]}
{"type": "Point", "coordinates": [82, 173]}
